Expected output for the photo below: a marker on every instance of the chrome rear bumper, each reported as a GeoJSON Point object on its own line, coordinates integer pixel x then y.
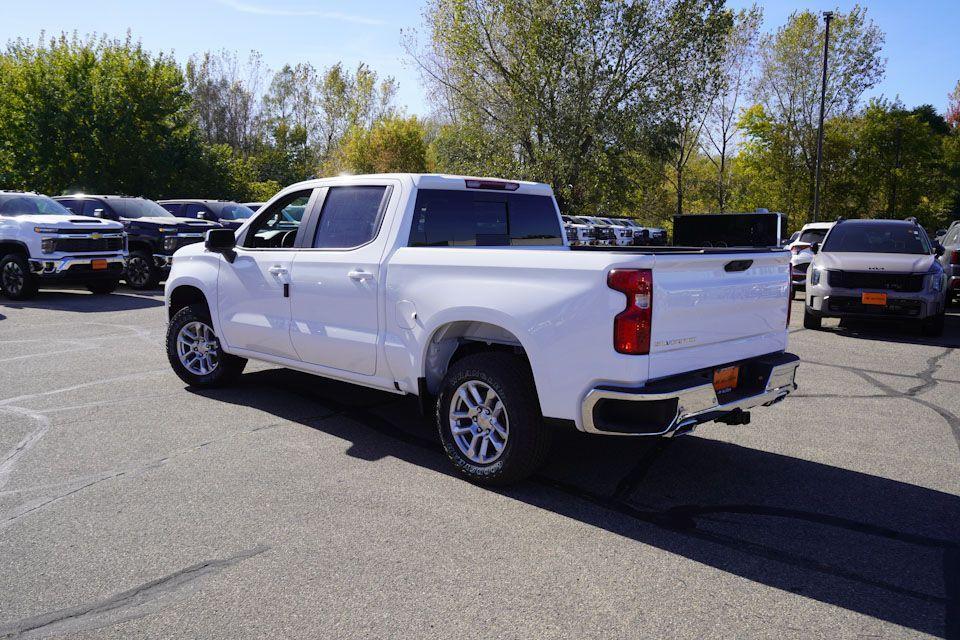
{"type": "Point", "coordinates": [679, 404]}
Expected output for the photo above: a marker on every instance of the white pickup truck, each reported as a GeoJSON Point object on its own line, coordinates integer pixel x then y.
{"type": "Point", "coordinates": [464, 292]}
{"type": "Point", "coordinates": [42, 244]}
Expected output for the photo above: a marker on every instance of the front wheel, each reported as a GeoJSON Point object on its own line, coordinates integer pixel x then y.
{"type": "Point", "coordinates": [16, 281]}
{"type": "Point", "coordinates": [811, 320]}
{"type": "Point", "coordinates": [933, 326]}
{"type": "Point", "coordinates": [194, 350]}
{"type": "Point", "coordinates": [141, 273]}
{"type": "Point", "coordinates": [489, 420]}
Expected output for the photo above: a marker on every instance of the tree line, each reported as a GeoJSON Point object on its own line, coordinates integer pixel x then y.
{"type": "Point", "coordinates": [643, 108]}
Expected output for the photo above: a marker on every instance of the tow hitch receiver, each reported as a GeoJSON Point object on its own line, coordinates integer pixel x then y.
{"type": "Point", "coordinates": [737, 416]}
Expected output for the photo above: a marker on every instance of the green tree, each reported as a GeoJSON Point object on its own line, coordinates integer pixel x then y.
{"type": "Point", "coordinates": [98, 114]}
{"type": "Point", "coordinates": [565, 91]}
{"type": "Point", "coordinates": [736, 72]}
{"type": "Point", "coordinates": [392, 144]}
{"type": "Point", "coordinates": [784, 127]}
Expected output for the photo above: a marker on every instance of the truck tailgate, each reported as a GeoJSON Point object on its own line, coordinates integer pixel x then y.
{"type": "Point", "coordinates": [715, 308]}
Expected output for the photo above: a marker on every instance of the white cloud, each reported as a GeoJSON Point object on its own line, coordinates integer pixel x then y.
{"type": "Point", "coordinates": [246, 7]}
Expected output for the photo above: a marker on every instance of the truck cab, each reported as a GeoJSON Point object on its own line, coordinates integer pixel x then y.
{"type": "Point", "coordinates": [153, 233]}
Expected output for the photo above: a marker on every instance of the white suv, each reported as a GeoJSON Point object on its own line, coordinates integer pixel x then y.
{"type": "Point", "coordinates": [43, 244]}
{"type": "Point", "coordinates": [801, 252]}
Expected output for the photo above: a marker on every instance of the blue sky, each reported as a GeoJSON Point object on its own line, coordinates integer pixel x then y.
{"type": "Point", "coordinates": [922, 36]}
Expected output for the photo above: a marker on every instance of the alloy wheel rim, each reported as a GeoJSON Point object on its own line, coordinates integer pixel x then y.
{"type": "Point", "coordinates": [198, 348]}
{"type": "Point", "coordinates": [137, 270]}
{"type": "Point", "coordinates": [478, 422]}
{"type": "Point", "coordinates": [12, 277]}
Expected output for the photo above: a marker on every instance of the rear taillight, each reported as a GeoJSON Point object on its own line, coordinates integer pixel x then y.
{"type": "Point", "coordinates": [797, 248]}
{"type": "Point", "coordinates": [955, 257]}
{"type": "Point", "coordinates": [631, 327]}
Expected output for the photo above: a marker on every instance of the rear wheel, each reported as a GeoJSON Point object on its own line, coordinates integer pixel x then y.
{"type": "Point", "coordinates": [489, 420]}
{"type": "Point", "coordinates": [194, 350]}
{"type": "Point", "coordinates": [141, 273]}
{"type": "Point", "coordinates": [103, 287]}
{"type": "Point", "coordinates": [810, 319]}
{"type": "Point", "coordinates": [16, 281]}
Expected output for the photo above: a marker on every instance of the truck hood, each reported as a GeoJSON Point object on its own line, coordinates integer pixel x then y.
{"type": "Point", "coordinates": [70, 222]}
{"type": "Point", "coordinates": [182, 224]}
{"type": "Point", "coordinates": [877, 262]}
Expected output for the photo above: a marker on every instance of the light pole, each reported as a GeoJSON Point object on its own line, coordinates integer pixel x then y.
{"type": "Point", "coordinates": [827, 17]}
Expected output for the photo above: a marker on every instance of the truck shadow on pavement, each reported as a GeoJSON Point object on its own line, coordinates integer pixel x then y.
{"type": "Point", "coordinates": [867, 544]}
{"type": "Point", "coordinates": [79, 301]}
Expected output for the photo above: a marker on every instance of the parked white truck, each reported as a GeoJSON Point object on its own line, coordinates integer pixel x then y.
{"type": "Point", "coordinates": [464, 292]}
{"type": "Point", "coordinates": [42, 244]}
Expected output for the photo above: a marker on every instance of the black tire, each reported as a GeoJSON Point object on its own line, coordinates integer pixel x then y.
{"type": "Point", "coordinates": [16, 281]}
{"type": "Point", "coordinates": [528, 441]}
{"type": "Point", "coordinates": [228, 368]}
{"type": "Point", "coordinates": [810, 319]}
{"type": "Point", "coordinates": [933, 326]}
{"type": "Point", "coordinates": [103, 287]}
{"type": "Point", "coordinates": [141, 273]}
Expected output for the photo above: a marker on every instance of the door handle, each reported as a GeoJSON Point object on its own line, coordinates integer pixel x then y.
{"type": "Point", "coordinates": [360, 274]}
{"type": "Point", "coordinates": [276, 270]}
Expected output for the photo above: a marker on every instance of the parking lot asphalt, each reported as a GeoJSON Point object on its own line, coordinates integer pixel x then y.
{"type": "Point", "coordinates": [291, 506]}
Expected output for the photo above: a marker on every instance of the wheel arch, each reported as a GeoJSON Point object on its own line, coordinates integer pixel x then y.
{"type": "Point", "coordinates": [13, 246]}
{"type": "Point", "coordinates": [454, 339]}
{"type": "Point", "coordinates": [183, 295]}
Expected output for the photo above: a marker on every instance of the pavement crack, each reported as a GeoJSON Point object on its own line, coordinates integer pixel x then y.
{"type": "Point", "coordinates": [127, 605]}
{"type": "Point", "coordinates": [933, 365]}
{"type": "Point", "coordinates": [78, 485]}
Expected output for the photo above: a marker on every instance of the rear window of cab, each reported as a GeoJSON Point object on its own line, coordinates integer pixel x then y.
{"type": "Point", "coordinates": [455, 218]}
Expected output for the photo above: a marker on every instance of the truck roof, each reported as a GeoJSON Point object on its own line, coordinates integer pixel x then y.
{"type": "Point", "coordinates": [441, 181]}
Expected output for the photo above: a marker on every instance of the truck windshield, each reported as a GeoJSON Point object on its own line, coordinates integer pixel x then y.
{"type": "Point", "coordinates": [813, 235]}
{"type": "Point", "coordinates": [22, 204]}
{"type": "Point", "coordinates": [139, 208]}
{"type": "Point", "coordinates": [233, 211]}
{"type": "Point", "coordinates": [876, 237]}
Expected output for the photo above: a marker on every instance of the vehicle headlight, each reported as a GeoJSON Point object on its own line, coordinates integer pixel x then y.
{"type": "Point", "coordinates": [936, 282]}
{"type": "Point", "coordinates": [48, 245]}
{"type": "Point", "coordinates": [815, 276]}
{"type": "Point", "coordinates": [46, 230]}
{"type": "Point", "coordinates": [167, 229]}
{"type": "Point", "coordinates": [170, 243]}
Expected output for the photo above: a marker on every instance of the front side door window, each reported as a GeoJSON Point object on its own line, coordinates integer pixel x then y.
{"type": "Point", "coordinates": [277, 226]}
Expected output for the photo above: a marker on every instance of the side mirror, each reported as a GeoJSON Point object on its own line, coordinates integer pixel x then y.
{"type": "Point", "coordinates": [815, 247]}
{"type": "Point", "coordinates": [98, 213]}
{"type": "Point", "coordinates": [201, 215]}
{"type": "Point", "coordinates": [221, 241]}
{"type": "Point", "coordinates": [940, 232]}
{"type": "Point", "coordinates": [938, 249]}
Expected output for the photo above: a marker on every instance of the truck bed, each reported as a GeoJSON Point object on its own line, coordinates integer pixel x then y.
{"type": "Point", "coordinates": [661, 250]}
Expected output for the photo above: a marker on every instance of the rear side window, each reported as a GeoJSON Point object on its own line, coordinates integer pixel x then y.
{"type": "Point", "coordinates": [447, 218]}
{"type": "Point", "coordinates": [350, 217]}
